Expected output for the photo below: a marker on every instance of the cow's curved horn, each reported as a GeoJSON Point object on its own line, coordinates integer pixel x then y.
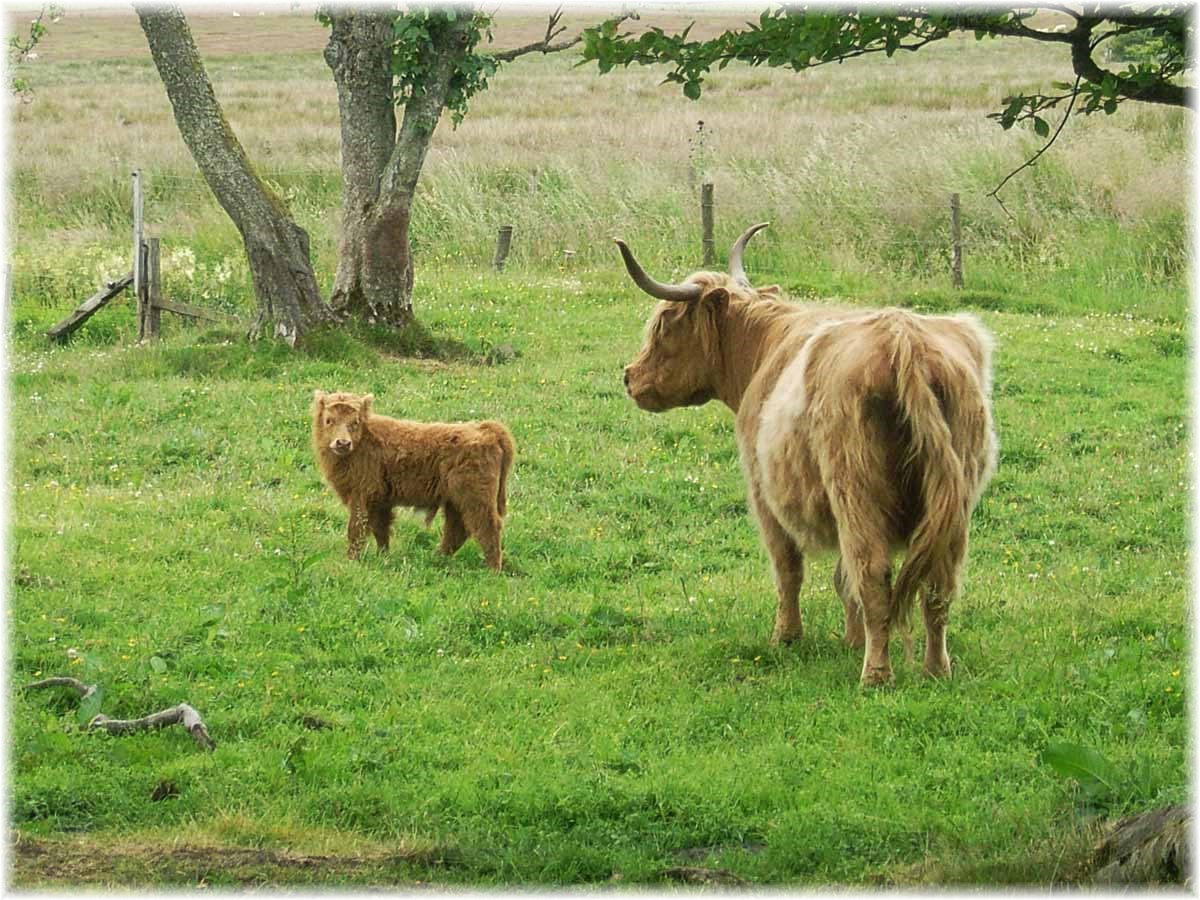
{"type": "Point", "coordinates": [677, 293]}
{"type": "Point", "coordinates": [735, 255]}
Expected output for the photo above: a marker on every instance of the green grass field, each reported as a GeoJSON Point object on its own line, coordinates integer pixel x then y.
{"type": "Point", "coordinates": [608, 707]}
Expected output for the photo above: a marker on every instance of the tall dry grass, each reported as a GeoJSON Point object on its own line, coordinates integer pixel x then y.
{"type": "Point", "coordinates": [853, 163]}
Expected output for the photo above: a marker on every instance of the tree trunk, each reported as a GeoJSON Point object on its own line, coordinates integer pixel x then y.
{"type": "Point", "coordinates": [289, 302]}
{"type": "Point", "coordinates": [380, 168]}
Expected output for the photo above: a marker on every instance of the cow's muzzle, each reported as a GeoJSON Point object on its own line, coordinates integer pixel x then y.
{"type": "Point", "coordinates": [341, 447]}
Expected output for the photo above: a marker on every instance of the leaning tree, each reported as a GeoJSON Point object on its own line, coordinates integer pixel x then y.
{"type": "Point", "coordinates": [289, 302]}
{"type": "Point", "coordinates": [427, 60]}
{"type": "Point", "coordinates": [799, 39]}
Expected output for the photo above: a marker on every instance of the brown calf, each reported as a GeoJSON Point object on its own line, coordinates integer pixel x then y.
{"type": "Point", "coordinates": [861, 431]}
{"type": "Point", "coordinates": [375, 463]}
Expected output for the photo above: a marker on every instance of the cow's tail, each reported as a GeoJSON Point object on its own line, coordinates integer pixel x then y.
{"type": "Point", "coordinates": [944, 406]}
{"type": "Point", "coordinates": [507, 452]}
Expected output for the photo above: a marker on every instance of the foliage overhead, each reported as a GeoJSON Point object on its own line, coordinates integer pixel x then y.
{"type": "Point", "coordinates": [414, 44]}
{"type": "Point", "coordinates": [21, 48]}
{"type": "Point", "coordinates": [802, 39]}
{"type": "Point", "coordinates": [415, 48]}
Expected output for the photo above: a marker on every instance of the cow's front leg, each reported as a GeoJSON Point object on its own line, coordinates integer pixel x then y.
{"type": "Point", "coordinates": [788, 564]}
{"type": "Point", "coordinates": [356, 528]}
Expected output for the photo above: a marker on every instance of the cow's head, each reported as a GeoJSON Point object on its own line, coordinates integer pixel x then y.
{"type": "Point", "coordinates": [680, 357]}
{"type": "Point", "coordinates": [339, 420]}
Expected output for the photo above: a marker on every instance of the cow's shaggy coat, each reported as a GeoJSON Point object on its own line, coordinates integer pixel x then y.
{"type": "Point", "coordinates": [376, 463]}
{"type": "Point", "coordinates": [860, 431]}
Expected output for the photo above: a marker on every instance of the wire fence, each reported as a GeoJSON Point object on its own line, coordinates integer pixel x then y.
{"type": "Point", "coordinates": [931, 232]}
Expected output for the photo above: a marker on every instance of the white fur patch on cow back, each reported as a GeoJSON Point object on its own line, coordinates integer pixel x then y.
{"type": "Point", "coordinates": [781, 447]}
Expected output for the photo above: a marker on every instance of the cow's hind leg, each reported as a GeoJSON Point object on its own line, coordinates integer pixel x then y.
{"type": "Point", "coordinates": [454, 532]}
{"type": "Point", "coordinates": [788, 564]}
{"type": "Point", "coordinates": [380, 518]}
{"type": "Point", "coordinates": [941, 588]}
{"type": "Point", "coordinates": [936, 607]}
{"type": "Point", "coordinates": [868, 570]}
{"type": "Point", "coordinates": [854, 636]}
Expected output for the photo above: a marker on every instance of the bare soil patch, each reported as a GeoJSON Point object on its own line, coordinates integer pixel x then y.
{"type": "Point", "coordinates": [58, 862]}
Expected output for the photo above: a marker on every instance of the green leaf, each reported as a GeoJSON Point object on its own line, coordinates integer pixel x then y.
{"type": "Point", "coordinates": [1041, 126]}
{"type": "Point", "coordinates": [1095, 774]}
{"type": "Point", "coordinates": [210, 615]}
{"type": "Point", "coordinates": [314, 558]}
{"type": "Point", "coordinates": [158, 664]}
{"type": "Point", "coordinates": [691, 90]}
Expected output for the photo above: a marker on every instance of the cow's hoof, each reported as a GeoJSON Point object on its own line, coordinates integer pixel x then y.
{"type": "Point", "coordinates": [937, 668]}
{"type": "Point", "coordinates": [781, 636]}
{"type": "Point", "coordinates": [875, 676]}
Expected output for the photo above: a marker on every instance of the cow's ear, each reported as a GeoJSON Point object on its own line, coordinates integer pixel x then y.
{"type": "Point", "coordinates": [318, 400]}
{"type": "Point", "coordinates": [366, 403]}
{"type": "Point", "coordinates": [717, 298]}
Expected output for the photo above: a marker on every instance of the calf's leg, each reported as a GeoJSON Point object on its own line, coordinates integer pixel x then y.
{"type": "Point", "coordinates": [356, 528]}
{"type": "Point", "coordinates": [454, 532]}
{"type": "Point", "coordinates": [483, 521]}
{"type": "Point", "coordinates": [380, 518]}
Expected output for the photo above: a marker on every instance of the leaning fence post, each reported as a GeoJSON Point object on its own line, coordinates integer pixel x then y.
{"type": "Point", "coordinates": [956, 275]}
{"type": "Point", "coordinates": [706, 223]}
{"type": "Point", "coordinates": [139, 275]}
{"type": "Point", "coordinates": [153, 288]}
{"type": "Point", "coordinates": [503, 242]}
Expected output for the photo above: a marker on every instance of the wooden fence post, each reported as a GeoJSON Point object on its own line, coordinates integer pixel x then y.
{"type": "Point", "coordinates": [706, 223]}
{"type": "Point", "coordinates": [153, 288]}
{"type": "Point", "coordinates": [956, 275]}
{"type": "Point", "coordinates": [139, 274]}
{"type": "Point", "coordinates": [503, 242]}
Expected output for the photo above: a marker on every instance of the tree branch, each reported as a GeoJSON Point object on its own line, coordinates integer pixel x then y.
{"type": "Point", "coordinates": [553, 30]}
{"type": "Point", "coordinates": [181, 714]}
{"type": "Point", "coordinates": [177, 715]}
{"type": "Point", "coordinates": [1089, 70]}
{"type": "Point", "coordinates": [995, 193]}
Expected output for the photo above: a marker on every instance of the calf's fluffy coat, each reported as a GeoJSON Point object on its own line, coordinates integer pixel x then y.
{"type": "Point", "coordinates": [376, 463]}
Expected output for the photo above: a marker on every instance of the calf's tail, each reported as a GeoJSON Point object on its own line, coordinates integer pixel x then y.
{"type": "Point", "coordinates": [507, 451]}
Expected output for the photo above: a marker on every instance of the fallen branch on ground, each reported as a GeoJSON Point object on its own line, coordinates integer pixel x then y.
{"type": "Point", "coordinates": [183, 714]}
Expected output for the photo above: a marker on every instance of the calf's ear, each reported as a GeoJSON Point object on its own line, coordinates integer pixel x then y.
{"type": "Point", "coordinates": [366, 401]}
{"type": "Point", "coordinates": [318, 400]}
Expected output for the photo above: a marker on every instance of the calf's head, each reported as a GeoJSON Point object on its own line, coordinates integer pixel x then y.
{"type": "Point", "coordinates": [680, 360]}
{"type": "Point", "coordinates": [339, 420]}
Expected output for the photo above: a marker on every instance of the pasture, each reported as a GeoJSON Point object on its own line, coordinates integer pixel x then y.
{"type": "Point", "coordinates": [608, 707]}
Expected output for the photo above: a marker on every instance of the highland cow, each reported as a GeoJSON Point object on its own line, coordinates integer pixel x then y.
{"type": "Point", "coordinates": [376, 463]}
{"type": "Point", "coordinates": [860, 431]}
